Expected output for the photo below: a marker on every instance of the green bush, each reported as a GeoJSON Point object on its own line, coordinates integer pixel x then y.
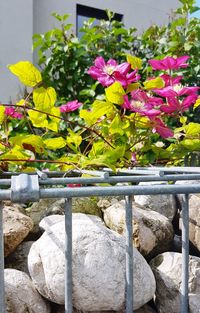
{"type": "Point", "coordinates": [64, 59]}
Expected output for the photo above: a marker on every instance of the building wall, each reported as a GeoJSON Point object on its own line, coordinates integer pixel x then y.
{"type": "Point", "coordinates": [20, 19]}
{"type": "Point", "coordinates": [16, 29]}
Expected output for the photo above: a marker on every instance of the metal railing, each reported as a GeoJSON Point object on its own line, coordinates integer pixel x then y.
{"type": "Point", "coordinates": [34, 186]}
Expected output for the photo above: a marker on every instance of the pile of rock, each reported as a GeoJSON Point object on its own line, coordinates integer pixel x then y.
{"type": "Point", "coordinates": [34, 274]}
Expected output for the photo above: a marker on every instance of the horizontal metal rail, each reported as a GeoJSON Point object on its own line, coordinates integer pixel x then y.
{"type": "Point", "coordinates": [43, 189]}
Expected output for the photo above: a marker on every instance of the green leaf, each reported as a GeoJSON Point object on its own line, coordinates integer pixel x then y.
{"type": "Point", "coordinates": [27, 73]}
{"type": "Point", "coordinates": [44, 99]}
{"type": "Point", "coordinates": [55, 143]}
{"type": "Point", "coordinates": [115, 93]}
{"type": "Point", "coordinates": [155, 83]}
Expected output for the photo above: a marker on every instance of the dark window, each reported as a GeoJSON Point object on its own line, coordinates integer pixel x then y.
{"type": "Point", "coordinates": [83, 13]}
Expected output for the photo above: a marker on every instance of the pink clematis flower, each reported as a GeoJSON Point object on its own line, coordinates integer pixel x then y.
{"type": "Point", "coordinates": [70, 106]}
{"type": "Point", "coordinates": [176, 91]}
{"type": "Point", "coordinates": [175, 105]}
{"type": "Point", "coordinates": [12, 113]}
{"type": "Point", "coordinates": [170, 81]}
{"type": "Point", "coordinates": [160, 128]}
{"type": "Point", "coordinates": [140, 102]}
{"type": "Point", "coordinates": [109, 72]}
{"type": "Point", "coordinates": [169, 63]}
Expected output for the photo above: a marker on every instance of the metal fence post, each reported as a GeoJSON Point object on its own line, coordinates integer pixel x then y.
{"type": "Point", "coordinates": [68, 255]}
{"type": "Point", "coordinates": [185, 254]}
{"type": "Point", "coordinates": [129, 255]}
{"type": "Point", "coordinates": [2, 286]}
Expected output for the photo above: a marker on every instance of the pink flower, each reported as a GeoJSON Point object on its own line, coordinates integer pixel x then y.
{"type": "Point", "coordinates": [175, 105]}
{"type": "Point", "coordinates": [169, 63]}
{"type": "Point", "coordinates": [170, 81]}
{"type": "Point", "coordinates": [160, 128]}
{"type": "Point", "coordinates": [12, 113]}
{"type": "Point", "coordinates": [109, 72]}
{"type": "Point", "coordinates": [133, 158]}
{"type": "Point", "coordinates": [176, 91]}
{"type": "Point", "coordinates": [140, 102]}
{"type": "Point", "coordinates": [73, 185]}
{"type": "Point", "coordinates": [70, 106]}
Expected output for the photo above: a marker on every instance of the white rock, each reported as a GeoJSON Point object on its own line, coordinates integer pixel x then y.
{"type": "Point", "coordinates": [21, 295]}
{"type": "Point", "coordinates": [194, 220]}
{"type": "Point", "coordinates": [145, 309]}
{"type": "Point", "coordinates": [167, 270]}
{"type": "Point", "coordinates": [98, 266]}
{"type": "Point", "coordinates": [163, 204]}
{"type": "Point", "coordinates": [48, 221]}
{"type": "Point", "coordinates": [46, 207]}
{"type": "Point", "coordinates": [16, 226]}
{"type": "Point", "coordinates": [152, 232]}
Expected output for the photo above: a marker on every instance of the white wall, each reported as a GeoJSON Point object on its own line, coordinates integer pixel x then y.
{"type": "Point", "coordinates": [16, 29]}
{"type": "Point", "coordinates": [20, 19]}
{"type": "Point", "coordinates": [137, 13]}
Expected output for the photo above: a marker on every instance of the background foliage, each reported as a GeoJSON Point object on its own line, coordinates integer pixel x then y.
{"type": "Point", "coordinates": [99, 134]}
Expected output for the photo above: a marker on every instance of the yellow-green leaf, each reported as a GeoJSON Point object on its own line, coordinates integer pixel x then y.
{"type": "Point", "coordinates": [2, 115]}
{"type": "Point", "coordinates": [27, 73]}
{"type": "Point", "coordinates": [74, 138]}
{"type": "Point", "coordinates": [136, 63]}
{"type": "Point", "coordinates": [99, 109]}
{"type": "Point", "coordinates": [44, 98]}
{"type": "Point", "coordinates": [55, 143]}
{"type": "Point", "coordinates": [15, 153]}
{"type": "Point", "coordinates": [115, 93]}
{"type": "Point", "coordinates": [21, 102]}
{"type": "Point", "coordinates": [2, 148]}
{"type": "Point", "coordinates": [155, 83]}
{"type": "Point", "coordinates": [183, 119]}
{"type": "Point", "coordinates": [191, 144]}
{"type": "Point", "coordinates": [33, 143]}
{"type": "Point", "coordinates": [197, 103]}
{"type": "Point", "coordinates": [192, 129]}
{"type": "Point", "coordinates": [38, 119]}
{"type": "Point", "coordinates": [116, 127]}
{"type": "Point", "coordinates": [132, 87]}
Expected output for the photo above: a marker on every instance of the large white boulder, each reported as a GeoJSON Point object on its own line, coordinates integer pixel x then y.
{"type": "Point", "coordinates": [98, 266]}
{"type": "Point", "coordinates": [21, 295]}
{"type": "Point", "coordinates": [152, 231]}
{"type": "Point", "coordinates": [167, 270]}
{"type": "Point", "coordinates": [163, 204]}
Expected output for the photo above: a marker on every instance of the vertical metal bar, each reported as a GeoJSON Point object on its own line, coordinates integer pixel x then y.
{"type": "Point", "coordinates": [2, 287]}
{"type": "Point", "coordinates": [185, 254]}
{"type": "Point", "coordinates": [68, 255]}
{"type": "Point", "coordinates": [129, 255]}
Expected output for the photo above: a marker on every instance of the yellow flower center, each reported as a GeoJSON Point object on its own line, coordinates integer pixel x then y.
{"type": "Point", "coordinates": [109, 69]}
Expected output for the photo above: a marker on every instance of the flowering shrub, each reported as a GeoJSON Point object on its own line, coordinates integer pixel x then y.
{"type": "Point", "coordinates": [132, 123]}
